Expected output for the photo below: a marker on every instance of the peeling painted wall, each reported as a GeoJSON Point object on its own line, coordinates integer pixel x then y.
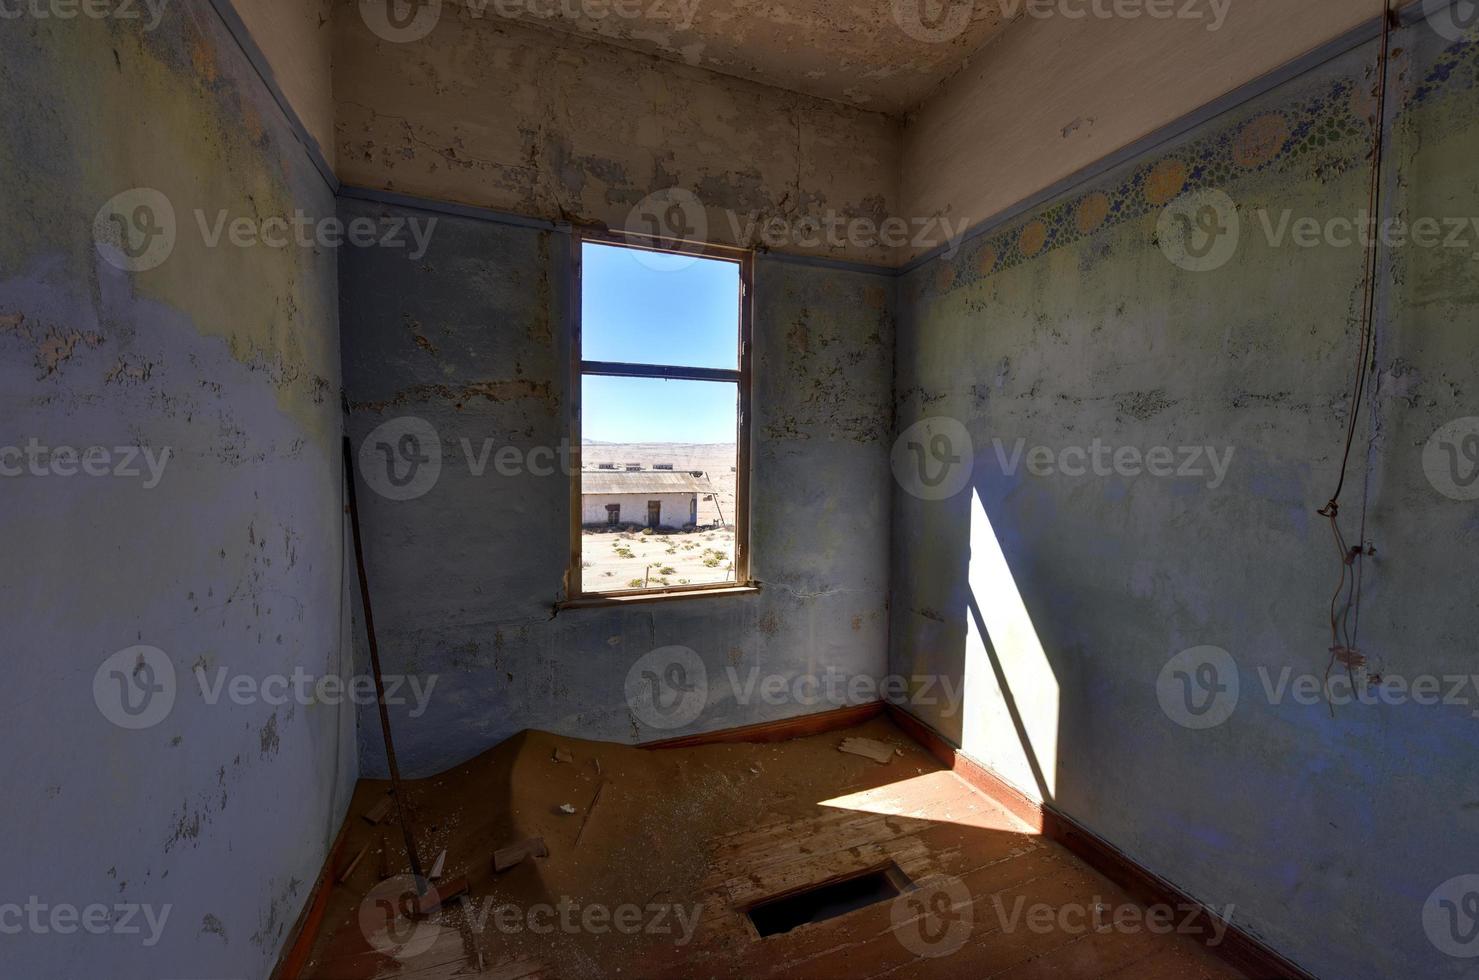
{"type": "Point", "coordinates": [516, 118]}
{"type": "Point", "coordinates": [1061, 599]}
{"type": "Point", "coordinates": [297, 39]}
{"type": "Point", "coordinates": [882, 55]}
{"type": "Point", "coordinates": [222, 364]}
{"type": "Point", "coordinates": [470, 340]}
{"type": "Point", "coordinates": [1053, 95]}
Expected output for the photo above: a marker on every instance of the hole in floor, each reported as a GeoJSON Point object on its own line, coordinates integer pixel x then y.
{"type": "Point", "coordinates": [828, 900]}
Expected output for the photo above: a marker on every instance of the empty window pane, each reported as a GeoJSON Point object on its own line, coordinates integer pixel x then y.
{"type": "Point", "coordinates": [657, 483]}
{"type": "Point", "coordinates": [641, 307]}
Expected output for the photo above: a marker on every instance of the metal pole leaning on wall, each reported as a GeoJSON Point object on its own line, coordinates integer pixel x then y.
{"type": "Point", "coordinates": [364, 594]}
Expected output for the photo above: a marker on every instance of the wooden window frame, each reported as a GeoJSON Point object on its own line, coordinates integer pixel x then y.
{"type": "Point", "coordinates": [742, 378]}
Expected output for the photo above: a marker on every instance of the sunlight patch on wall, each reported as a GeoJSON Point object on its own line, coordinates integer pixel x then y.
{"type": "Point", "coordinates": [1011, 705]}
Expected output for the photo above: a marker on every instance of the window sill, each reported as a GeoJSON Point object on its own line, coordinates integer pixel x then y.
{"type": "Point", "coordinates": [597, 601]}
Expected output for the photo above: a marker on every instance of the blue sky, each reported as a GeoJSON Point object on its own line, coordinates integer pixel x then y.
{"type": "Point", "coordinates": [653, 410]}
{"type": "Point", "coordinates": [658, 308]}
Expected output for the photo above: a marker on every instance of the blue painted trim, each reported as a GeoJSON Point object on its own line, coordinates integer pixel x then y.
{"type": "Point", "coordinates": [564, 228]}
{"type": "Point", "coordinates": [234, 25]}
{"type": "Point", "coordinates": [819, 262]}
{"type": "Point", "coordinates": [1410, 15]}
{"type": "Point", "coordinates": [352, 192]}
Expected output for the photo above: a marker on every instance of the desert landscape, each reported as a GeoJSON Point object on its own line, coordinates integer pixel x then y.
{"type": "Point", "coordinates": [619, 559]}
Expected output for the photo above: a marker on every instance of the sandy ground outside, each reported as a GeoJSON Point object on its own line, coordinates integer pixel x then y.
{"type": "Point", "coordinates": [615, 560]}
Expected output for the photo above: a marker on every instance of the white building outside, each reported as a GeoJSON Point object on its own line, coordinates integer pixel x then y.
{"type": "Point", "coordinates": [656, 499]}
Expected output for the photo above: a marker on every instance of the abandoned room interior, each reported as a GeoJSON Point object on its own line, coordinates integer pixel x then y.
{"type": "Point", "coordinates": [732, 489]}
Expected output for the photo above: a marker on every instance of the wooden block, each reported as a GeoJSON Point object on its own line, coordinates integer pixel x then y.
{"type": "Point", "coordinates": [507, 857]}
{"type": "Point", "coordinates": [437, 896]}
{"type": "Point", "coordinates": [380, 810]}
{"type": "Point", "coordinates": [868, 748]}
{"type": "Point", "coordinates": [354, 863]}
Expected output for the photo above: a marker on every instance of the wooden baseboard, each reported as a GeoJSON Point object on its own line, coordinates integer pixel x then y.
{"type": "Point", "coordinates": [1238, 948]}
{"type": "Point", "coordinates": [777, 731]}
{"type": "Point", "coordinates": [299, 945]}
{"type": "Point", "coordinates": [1017, 803]}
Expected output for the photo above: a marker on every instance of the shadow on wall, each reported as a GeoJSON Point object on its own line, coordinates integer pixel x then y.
{"type": "Point", "coordinates": [1148, 381]}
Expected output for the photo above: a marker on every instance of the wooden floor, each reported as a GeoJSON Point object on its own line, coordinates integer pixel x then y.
{"type": "Point", "coordinates": [715, 829]}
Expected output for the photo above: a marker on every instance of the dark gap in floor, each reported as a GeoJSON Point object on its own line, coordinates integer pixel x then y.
{"type": "Point", "coordinates": [828, 900]}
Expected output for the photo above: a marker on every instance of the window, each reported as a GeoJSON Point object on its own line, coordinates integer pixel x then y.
{"type": "Point", "coordinates": [659, 499]}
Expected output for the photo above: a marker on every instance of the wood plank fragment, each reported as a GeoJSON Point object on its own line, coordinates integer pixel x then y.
{"type": "Point", "coordinates": [507, 857]}
{"type": "Point", "coordinates": [353, 863]}
{"type": "Point", "coordinates": [438, 895]}
{"type": "Point", "coordinates": [380, 810]}
{"type": "Point", "coordinates": [868, 748]}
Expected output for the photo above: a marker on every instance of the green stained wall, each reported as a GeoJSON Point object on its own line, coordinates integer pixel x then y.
{"type": "Point", "coordinates": [218, 814]}
{"type": "Point", "coordinates": [1072, 329]}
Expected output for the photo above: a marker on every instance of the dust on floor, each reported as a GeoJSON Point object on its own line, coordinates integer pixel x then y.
{"type": "Point", "coordinates": [655, 855]}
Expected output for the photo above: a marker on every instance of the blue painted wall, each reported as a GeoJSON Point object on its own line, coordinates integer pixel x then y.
{"type": "Point", "coordinates": [217, 816]}
{"type": "Point", "coordinates": [471, 340]}
{"type": "Point", "coordinates": [1332, 837]}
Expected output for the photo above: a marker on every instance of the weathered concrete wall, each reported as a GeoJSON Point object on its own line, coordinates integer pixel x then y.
{"type": "Point", "coordinates": [1062, 598]}
{"type": "Point", "coordinates": [520, 119]}
{"type": "Point", "coordinates": [297, 39]}
{"type": "Point", "coordinates": [470, 341]}
{"type": "Point", "coordinates": [217, 816]}
{"type": "Point", "coordinates": [1054, 94]}
{"type": "Point", "coordinates": [882, 55]}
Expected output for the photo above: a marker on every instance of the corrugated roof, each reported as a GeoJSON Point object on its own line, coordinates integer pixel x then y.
{"type": "Point", "coordinates": [648, 481]}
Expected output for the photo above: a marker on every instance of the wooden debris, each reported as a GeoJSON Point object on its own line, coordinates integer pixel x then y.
{"type": "Point", "coordinates": [868, 748]}
{"type": "Point", "coordinates": [588, 811]}
{"type": "Point", "coordinates": [380, 810]}
{"type": "Point", "coordinates": [354, 863]}
{"type": "Point", "coordinates": [384, 870]}
{"type": "Point", "coordinates": [563, 755]}
{"type": "Point", "coordinates": [436, 866]}
{"type": "Point", "coordinates": [566, 808]}
{"type": "Point", "coordinates": [507, 857]}
{"type": "Point", "coordinates": [437, 896]}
